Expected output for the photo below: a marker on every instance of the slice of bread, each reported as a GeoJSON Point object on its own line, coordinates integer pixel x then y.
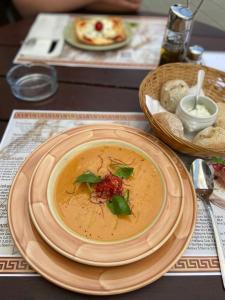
{"type": "Point", "coordinates": [211, 137]}
{"type": "Point", "coordinates": [172, 92]}
{"type": "Point", "coordinates": [171, 122]}
{"type": "Point", "coordinates": [220, 120]}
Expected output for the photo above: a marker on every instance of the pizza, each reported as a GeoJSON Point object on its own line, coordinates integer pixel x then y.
{"type": "Point", "coordinates": [100, 31]}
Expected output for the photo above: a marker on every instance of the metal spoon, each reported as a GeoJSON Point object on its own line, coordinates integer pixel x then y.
{"type": "Point", "coordinates": [201, 77]}
{"type": "Point", "coordinates": [203, 182]}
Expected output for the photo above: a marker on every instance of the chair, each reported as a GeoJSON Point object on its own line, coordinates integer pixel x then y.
{"type": "Point", "coordinates": [8, 13]}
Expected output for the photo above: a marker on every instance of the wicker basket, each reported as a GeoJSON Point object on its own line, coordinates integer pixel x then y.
{"type": "Point", "coordinates": [214, 87]}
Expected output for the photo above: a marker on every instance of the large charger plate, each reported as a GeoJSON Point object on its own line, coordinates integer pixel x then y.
{"type": "Point", "coordinates": [83, 278]}
{"type": "Point", "coordinates": [70, 38]}
{"type": "Point", "coordinates": [86, 251]}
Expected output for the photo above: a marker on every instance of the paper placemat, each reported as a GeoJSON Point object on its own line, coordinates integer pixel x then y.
{"type": "Point", "coordinates": [47, 30]}
{"type": "Point", "coordinates": [28, 129]}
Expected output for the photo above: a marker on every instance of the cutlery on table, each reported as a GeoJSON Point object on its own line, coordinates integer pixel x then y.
{"type": "Point", "coordinates": [200, 81]}
{"type": "Point", "coordinates": [203, 182]}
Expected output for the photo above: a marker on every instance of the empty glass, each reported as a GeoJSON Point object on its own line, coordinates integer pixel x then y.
{"type": "Point", "coordinates": [33, 82]}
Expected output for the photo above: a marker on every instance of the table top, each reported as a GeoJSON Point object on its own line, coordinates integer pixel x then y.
{"type": "Point", "coordinates": [96, 89]}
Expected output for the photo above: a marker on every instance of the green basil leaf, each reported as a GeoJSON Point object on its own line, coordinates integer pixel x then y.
{"type": "Point", "coordinates": [133, 24]}
{"type": "Point", "coordinates": [111, 206]}
{"type": "Point", "coordinates": [119, 206]}
{"type": "Point", "coordinates": [218, 160]}
{"type": "Point", "coordinates": [88, 177]}
{"type": "Point", "coordinates": [124, 172]}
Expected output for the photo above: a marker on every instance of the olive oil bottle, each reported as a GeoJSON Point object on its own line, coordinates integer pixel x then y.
{"type": "Point", "coordinates": [177, 34]}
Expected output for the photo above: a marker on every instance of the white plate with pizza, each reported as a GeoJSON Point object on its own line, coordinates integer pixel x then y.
{"type": "Point", "coordinates": [98, 33]}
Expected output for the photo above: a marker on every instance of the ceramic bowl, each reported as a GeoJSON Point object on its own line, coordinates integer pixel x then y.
{"type": "Point", "coordinates": [89, 251]}
{"type": "Point", "coordinates": [195, 122]}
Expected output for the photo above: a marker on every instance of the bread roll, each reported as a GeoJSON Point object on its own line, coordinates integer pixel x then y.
{"type": "Point", "coordinates": [171, 122]}
{"type": "Point", "coordinates": [220, 120]}
{"type": "Point", "coordinates": [172, 92]}
{"type": "Point", "coordinates": [211, 137]}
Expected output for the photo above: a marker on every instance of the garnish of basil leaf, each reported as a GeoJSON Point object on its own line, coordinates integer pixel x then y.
{"type": "Point", "coordinates": [218, 160]}
{"type": "Point", "coordinates": [133, 24]}
{"type": "Point", "coordinates": [88, 177]}
{"type": "Point", "coordinates": [119, 206]}
{"type": "Point", "coordinates": [124, 172]}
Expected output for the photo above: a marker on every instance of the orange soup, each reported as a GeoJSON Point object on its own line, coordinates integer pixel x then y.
{"type": "Point", "coordinates": [92, 218]}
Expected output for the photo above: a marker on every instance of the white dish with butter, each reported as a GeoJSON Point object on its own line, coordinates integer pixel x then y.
{"type": "Point", "coordinates": [199, 117]}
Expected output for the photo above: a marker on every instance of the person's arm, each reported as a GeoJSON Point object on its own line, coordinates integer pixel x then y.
{"type": "Point", "coordinates": [32, 7]}
{"type": "Point", "coordinates": [115, 6]}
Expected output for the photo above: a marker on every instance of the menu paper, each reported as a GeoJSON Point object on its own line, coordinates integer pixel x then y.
{"type": "Point", "coordinates": [142, 52]}
{"type": "Point", "coordinates": [28, 129]}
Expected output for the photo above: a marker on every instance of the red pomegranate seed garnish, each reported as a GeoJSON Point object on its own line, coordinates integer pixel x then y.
{"type": "Point", "coordinates": [217, 167]}
{"type": "Point", "coordinates": [98, 26]}
{"type": "Point", "coordinates": [109, 186]}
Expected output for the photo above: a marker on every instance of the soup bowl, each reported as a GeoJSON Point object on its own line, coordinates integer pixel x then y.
{"type": "Point", "coordinates": [85, 213]}
{"type": "Point", "coordinates": [87, 224]}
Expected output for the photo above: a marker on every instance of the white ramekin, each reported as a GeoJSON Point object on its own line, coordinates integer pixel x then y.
{"type": "Point", "coordinates": [194, 123]}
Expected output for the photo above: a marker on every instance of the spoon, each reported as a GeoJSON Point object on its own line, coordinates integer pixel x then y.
{"type": "Point", "coordinates": [201, 77]}
{"type": "Point", "coordinates": [203, 182]}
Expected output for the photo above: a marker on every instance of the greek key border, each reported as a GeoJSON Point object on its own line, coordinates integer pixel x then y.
{"type": "Point", "coordinates": [17, 265]}
{"type": "Point", "coordinates": [196, 264]}
{"type": "Point", "coordinates": [80, 116]}
{"type": "Point", "coordinates": [14, 265]}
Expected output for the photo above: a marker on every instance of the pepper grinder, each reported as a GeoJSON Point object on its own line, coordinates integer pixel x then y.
{"type": "Point", "coordinates": [177, 34]}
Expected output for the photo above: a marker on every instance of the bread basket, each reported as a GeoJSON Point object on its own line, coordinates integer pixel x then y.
{"type": "Point", "coordinates": [214, 87]}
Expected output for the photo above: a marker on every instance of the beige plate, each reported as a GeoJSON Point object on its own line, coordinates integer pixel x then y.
{"type": "Point", "coordinates": [89, 251]}
{"type": "Point", "coordinates": [70, 38]}
{"type": "Point", "coordinates": [87, 279]}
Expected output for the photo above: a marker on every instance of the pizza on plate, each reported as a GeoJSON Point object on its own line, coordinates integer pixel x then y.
{"type": "Point", "coordinates": [100, 31]}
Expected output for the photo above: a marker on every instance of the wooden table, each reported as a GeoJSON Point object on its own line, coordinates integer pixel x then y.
{"type": "Point", "coordinates": [98, 90]}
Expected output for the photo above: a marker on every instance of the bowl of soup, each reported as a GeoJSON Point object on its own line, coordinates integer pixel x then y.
{"type": "Point", "coordinates": [106, 201]}
{"type": "Point", "coordinates": [119, 173]}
